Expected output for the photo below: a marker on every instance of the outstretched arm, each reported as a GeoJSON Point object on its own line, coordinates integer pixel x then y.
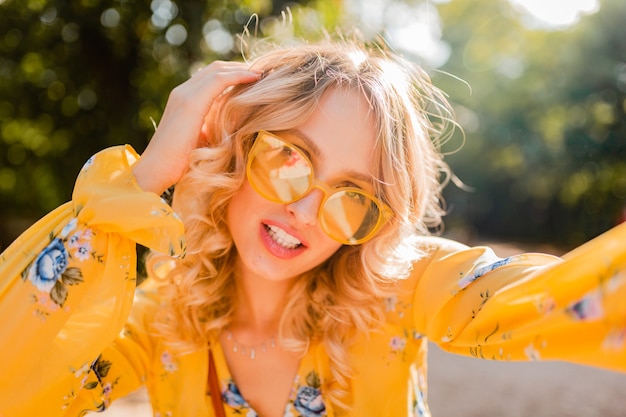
{"type": "Point", "coordinates": [528, 306]}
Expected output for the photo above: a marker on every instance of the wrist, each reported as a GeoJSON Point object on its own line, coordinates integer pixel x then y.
{"type": "Point", "coordinates": [147, 177]}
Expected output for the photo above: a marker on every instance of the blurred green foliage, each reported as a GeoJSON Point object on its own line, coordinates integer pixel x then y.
{"type": "Point", "coordinates": [545, 121]}
{"type": "Point", "coordinates": [545, 117]}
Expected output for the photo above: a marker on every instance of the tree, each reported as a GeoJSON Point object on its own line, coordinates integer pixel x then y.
{"type": "Point", "coordinates": [79, 76]}
{"type": "Point", "coordinates": [546, 144]}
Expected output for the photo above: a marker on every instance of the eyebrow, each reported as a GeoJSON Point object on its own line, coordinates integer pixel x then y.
{"type": "Point", "coordinates": [316, 151]}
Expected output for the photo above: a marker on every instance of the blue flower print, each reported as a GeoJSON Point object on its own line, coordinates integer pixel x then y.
{"type": "Point", "coordinates": [484, 269]}
{"type": "Point", "coordinates": [420, 409]}
{"type": "Point", "coordinates": [49, 265]}
{"type": "Point", "coordinates": [232, 396]}
{"type": "Point", "coordinates": [309, 402]}
{"type": "Point", "coordinates": [50, 274]}
{"type": "Point", "coordinates": [69, 227]}
{"type": "Point", "coordinates": [89, 163]}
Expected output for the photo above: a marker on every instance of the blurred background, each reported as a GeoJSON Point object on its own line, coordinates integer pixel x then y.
{"type": "Point", "coordinates": [538, 86]}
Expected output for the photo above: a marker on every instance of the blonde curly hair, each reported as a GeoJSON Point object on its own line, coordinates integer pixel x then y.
{"type": "Point", "coordinates": [341, 297]}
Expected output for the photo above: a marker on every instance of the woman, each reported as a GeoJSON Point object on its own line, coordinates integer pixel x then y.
{"type": "Point", "coordinates": [307, 180]}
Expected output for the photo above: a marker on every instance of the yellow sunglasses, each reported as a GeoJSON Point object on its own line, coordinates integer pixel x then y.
{"type": "Point", "coordinates": [280, 172]}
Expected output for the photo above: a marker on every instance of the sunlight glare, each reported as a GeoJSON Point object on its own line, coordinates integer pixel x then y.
{"type": "Point", "coordinates": [556, 14]}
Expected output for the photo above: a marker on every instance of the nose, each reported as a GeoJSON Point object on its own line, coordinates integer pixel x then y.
{"type": "Point", "coordinates": [306, 209]}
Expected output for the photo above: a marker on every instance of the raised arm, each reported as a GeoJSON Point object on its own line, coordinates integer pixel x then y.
{"type": "Point", "coordinates": [67, 284]}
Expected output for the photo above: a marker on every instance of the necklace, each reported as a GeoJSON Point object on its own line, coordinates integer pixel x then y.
{"type": "Point", "coordinates": [247, 350]}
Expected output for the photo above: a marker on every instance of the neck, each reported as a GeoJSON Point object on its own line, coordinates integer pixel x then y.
{"type": "Point", "coordinates": [260, 304]}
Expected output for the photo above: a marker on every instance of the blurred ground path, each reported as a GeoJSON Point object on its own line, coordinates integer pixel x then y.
{"type": "Point", "coordinates": [467, 387]}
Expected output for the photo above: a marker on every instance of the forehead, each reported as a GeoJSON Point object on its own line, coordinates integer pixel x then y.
{"type": "Point", "coordinates": [341, 134]}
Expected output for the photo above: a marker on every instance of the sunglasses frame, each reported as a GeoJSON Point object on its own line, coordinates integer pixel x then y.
{"type": "Point", "coordinates": [385, 211]}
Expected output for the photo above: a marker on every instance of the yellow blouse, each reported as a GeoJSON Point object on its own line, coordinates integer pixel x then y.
{"type": "Point", "coordinates": [69, 342]}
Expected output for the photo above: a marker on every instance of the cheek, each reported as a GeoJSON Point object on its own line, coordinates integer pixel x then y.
{"type": "Point", "coordinates": [243, 200]}
{"type": "Point", "coordinates": [327, 247]}
{"type": "Point", "coordinates": [244, 212]}
{"type": "Point", "coordinates": [236, 213]}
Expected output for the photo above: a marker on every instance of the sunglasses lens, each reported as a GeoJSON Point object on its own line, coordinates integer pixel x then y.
{"type": "Point", "coordinates": [349, 216]}
{"type": "Point", "coordinates": [278, 171]}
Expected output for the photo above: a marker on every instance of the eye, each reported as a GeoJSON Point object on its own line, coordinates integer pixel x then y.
{"type": "Point", "coordinates": [356, 196]}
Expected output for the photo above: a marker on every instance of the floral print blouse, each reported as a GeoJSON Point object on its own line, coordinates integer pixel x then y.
{"type": "Point", "coordinates": [71, 343]}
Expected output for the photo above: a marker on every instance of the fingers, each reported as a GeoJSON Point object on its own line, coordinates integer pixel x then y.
{"type": "Point", "coordinates": [219, 75]}
{"type": "Point", "coordinates": [210, 82]}
{"type": "Point", "coordinates": [221, 66]}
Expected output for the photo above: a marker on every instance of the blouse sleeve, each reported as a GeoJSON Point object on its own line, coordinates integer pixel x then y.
{"type": "Point", "coordinates": [528, 306]}
{"type": "Point", "coordinates": [67, 285]}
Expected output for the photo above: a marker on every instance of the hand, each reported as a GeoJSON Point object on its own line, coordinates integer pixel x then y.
{"type": "Point", "coordinates": [180, 131]}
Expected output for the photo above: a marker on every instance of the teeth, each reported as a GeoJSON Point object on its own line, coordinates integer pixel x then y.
{"type": "Point", "coordinates": [283, 238]}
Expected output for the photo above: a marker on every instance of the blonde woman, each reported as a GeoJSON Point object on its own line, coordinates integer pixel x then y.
{"type": "Point", "coordinates": [306, 182]}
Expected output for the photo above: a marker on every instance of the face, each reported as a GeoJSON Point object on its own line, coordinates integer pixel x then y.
{"type": "Point", "coordinates": [281, 241]}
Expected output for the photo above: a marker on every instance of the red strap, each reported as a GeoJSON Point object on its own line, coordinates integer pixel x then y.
{"type": "Point", "coordinates": [214, 387]}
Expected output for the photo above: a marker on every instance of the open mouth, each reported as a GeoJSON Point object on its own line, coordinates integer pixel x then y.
{"type": "Point", "coordinates": [282, 238]}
